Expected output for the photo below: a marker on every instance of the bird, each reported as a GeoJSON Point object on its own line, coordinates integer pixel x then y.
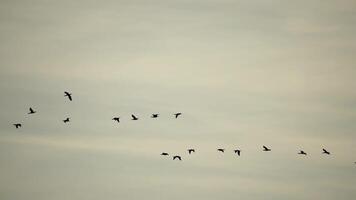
{"type": "Point", "coordinates": [326, 152]}
{"type": "Point", "coordinates": [164, 154]}
{"type": "Point", "coordinates": [177, 157]}
{"type": "Point", "coordinates": [266, 149]}
{"type": "Point", "coordinates": [134, 117]}
{"type": "Point", "coordinates": [66, 120]}
{"type": "Point", "coordinates": [238, 151]}
{"type": "Point", "coordinates": [222, 150]}
{"type": "Point", "coordinates": [191, 151]}
{"type": "Point", "coordinates": [116, 119]}
{"type": "Point", "coordinates": [177, 115]}
{"type": "Point", "coordinates": [302, 153]}
{"type": "Point", "coordinates": [17, 125]}
{"type": "Point", "coordinates": [31, 111]}
{"type": "Point", "coordinates": [69, 95]}
{"type": "Point", "coordinates": [154, 115]}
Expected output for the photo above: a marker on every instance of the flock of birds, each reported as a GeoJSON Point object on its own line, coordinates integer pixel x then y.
{"type": "Point", "coordinates": [155, 115]}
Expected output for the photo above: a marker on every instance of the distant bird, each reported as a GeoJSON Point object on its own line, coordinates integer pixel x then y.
{"type": "Point", "coordinates": [154, 115]}
{"type": "Point", "coordinates": [177, 157]}
{"type": "Point", "coordinates": [191, 151]}
{"type": "Point", "coordinates": [302, 153]}
{"type": "Point", "coordinates": [177, 115]}
{"type": "Point", "coordinates": [66, 120]}
{"type": "Point", "coordinates": [326, 152]}
{"type": "Point", "coordinates": [116, 119]}
{"type": "Point", "coordinates": [134, 117]}
{"type": "Point", "coordinates": [266, 149]}
{"type": "Point", "coordinates": [164, 154]}
{"type": "Point", "coordinates": [31, 111]}
{"type": "Point", "coordinates": [69, 95]}
{"type": "Point", "coordinates": [17, 125]}
{"type": "Point", "coordinates": [222, 150]}
{"type": "Point", "coordinates": [238, 151]}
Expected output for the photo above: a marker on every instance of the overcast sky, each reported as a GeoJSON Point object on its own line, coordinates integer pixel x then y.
{"type": "Point", "coordinates": [243, 73]}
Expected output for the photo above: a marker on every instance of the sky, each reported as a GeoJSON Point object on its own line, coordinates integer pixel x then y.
{"type": "Point", "coordinates": [243, 73]}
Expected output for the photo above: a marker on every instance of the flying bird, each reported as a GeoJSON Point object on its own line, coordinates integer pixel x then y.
{"type": "Point", "coordinates": [238, 151]}
{"type": "Point", "coordinates": [31, 111]}
{"type": "Point", "coordinates": [302, 153]}
{"type": "Point", "coordinates": [66, 120]}
{"type": "Point", "coordinates": [69, 95]}
{"type": "Point", "coordinates": [134, 117]}
{"type": "Point", "coordinates": [221, 150]}
{"type": "Point", "coordinates": [154, 115]}
{"type": "Point", "coordinates": [116, 119]}
{"type": "Point", "coordinates": [17, 125]}
{"type": "Point", "coordinates": [164, 154]}
{"type": "Point", "coordinates": [177, 157]}
{"type": "Point", "coordinates": [191, 151]}
{"type": "Point", "coordinates": [266, 149]}
{"type": "Point", "coordinates": [177, 115]}
{"type": "Point", "coordinates": [326, 152]}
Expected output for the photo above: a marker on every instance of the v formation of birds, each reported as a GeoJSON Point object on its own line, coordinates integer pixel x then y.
{"type": "Point", "coordinates": [156, 115]}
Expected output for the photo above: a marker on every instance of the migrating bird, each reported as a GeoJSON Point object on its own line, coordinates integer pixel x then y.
{"type": "Point", "coordinates": [66, 120]}
{"type": "Point", "coordinates": [116, 119]}
{"type": "Point", "coordinates": [164, 154]}
{"type": "Point", "coordinates": [177, 115]}
{"type": "Point", "coordinates": [17, 125]}
{"type": "Point", "coordinates": [69, 95]}
{"type": "Point", "coordinates": [238, 151]}
{"type": "Point", "coordinates": [222, 150]}
{"type": "Point", "coordinates": [31, 111]}
{"type": "Point", "coordinates": [191, 150]}
{"type": "Point", "coordinates": [177, 157]}
{"type": "Point", "coordinates": [266, 149]}
{"type": "Point", "coordinates": [302, 153]}
{"type": "Point", "coordinates": [134, 117]}
{"type": "Point", "coordinates": [326, 152]}
{"type": "Point", "coordinates": [154, 115]}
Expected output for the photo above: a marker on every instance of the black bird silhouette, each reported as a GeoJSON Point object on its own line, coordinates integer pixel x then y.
{"type": "Point", "coordinates": [191, 151]}
{"type": "Point", "coordinates": [177, 115]}
{"type": "Point", "coordinates": [266, 149]}
{"type": "Point", "coordinates": [154, 115]}
{"type": "Point", "coordinates": [326, 152]}
{"type": "Point", "coordinates": [134, 117]}
{"type": "Point", "coordinates": [66, 120]}
{"type": "Point", "coordinates": [177, 157]}
{"type": "Point", "coordinates": [164, 154]}
{"type": "Point", "coordinates": [31, 111]}
{"type": "Point", "coordinates": [17, 125]}
{"type": "Point", "coordinates": [222, 150]}
{"type": "Point", "coordinates": [302, 153]}
{"type": "Point", "coordinates": [116, 119]}
{"type": "Point", "coordinates": [69, 95]}
{"type": "Point", "coordinates": [238, 151]}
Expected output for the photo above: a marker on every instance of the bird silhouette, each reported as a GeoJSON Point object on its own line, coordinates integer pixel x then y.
{"type": "Point", "coordinates": [116, 119]}
{"type": "Point", "coordinates": [69, 95]}
{"type": "Point", "coordinates": [134, 117]}
{"type": "Point", "coordinates": [238, 151]}
{"type": "Point", "coordinates": [164, 154]}
{"type": "Point", "coordinates": [66, 120]}
{"type": "Point", "coordinates": [177, 157]}
{"type": "Point", "coordinates": [18, 125]}
{"type": "Point", "coordinates": [302, 153]}
{"type": "Point", "coordinates": [221, 150]}
{"type": "Point", "coordinates": [31, 111]}
{"type": "Point", "coordinates": [154, 115]}
{"type": "Point", "coordinates": [191, 151]}
{"type": "Point", "coordinates": [326, 152]}
{"type": "Point", "coordinates": [177, 115]}
{"type": "Point", "coordinates": [266, 149]}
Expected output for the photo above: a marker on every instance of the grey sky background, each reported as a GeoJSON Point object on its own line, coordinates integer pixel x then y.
{"type": "Point", "coordinates": [244, 74]}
